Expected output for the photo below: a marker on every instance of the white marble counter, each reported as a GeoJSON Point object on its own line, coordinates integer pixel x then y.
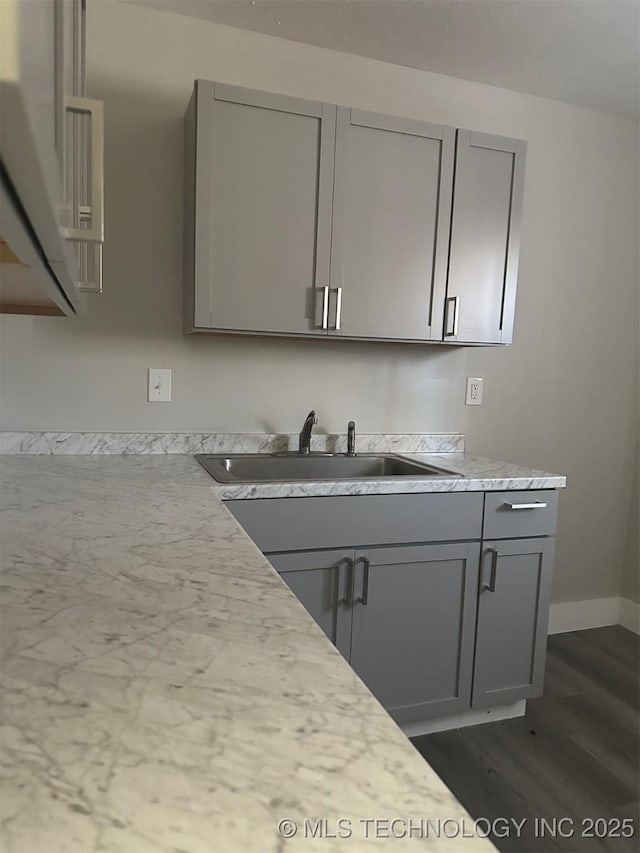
{"type": "Point", "coordinates": [477, 474]}
{"type": "Point", "coordinates": [445, 450]}
{"type": "Point", "coordinates": [163, 690]}
{"type": "Point", "coordinates": [199, 442]}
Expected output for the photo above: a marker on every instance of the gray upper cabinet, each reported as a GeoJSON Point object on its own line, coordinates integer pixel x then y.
{"type": "Point", "coordinates": [307, 219]}
{"type": "Point", "coordinates": [391, 212]}
{"type": "Point", "coordinates": [513, 615]}
{"type": "Point", "coordinates": [258, 219]}
{"type": "Point", "coordinates": [485, 238]}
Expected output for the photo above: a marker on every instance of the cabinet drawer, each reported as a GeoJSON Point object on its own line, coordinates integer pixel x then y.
{"type": "Point", "coordinates": [291, 524]}
{"type": "Point", "coordinates": [510, 515]}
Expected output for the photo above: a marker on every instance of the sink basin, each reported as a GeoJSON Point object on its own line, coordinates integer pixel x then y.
{"type": "Point", "coordinates": [263, 468]}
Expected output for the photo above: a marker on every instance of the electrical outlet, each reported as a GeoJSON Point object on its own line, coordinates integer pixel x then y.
{"type": "Point", "coordinates": [474, 391]}
{"type": "Point", "coordinates": [159, 385]}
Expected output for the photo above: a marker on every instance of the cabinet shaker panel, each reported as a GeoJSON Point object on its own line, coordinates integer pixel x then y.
{"type": "Point", "coordinates": [305, 219]}
{"type": "Point", "coordinates": [319, 579]}
{"type": "Point", "coordinates": [485, 238]}
{"type": "Point", "coordinates": [413, 625]}
{"type": "Point", "coordinates": [263, 189]}
{"type": "Point", "coordinates": [391, 212]}
{"type": "Point", "coordinates": [513, 616]}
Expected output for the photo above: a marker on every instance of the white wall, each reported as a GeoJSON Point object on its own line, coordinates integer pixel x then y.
{"type": "Point", "coordinates": [631, 575]}
{"type": "Point", "coordinates": [561, 398]}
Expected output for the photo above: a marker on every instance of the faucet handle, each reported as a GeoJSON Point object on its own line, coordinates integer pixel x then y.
{"type": "Point", "coordinates": [351, 438]}
{"type": "Point", "coordinates": [312, 417]}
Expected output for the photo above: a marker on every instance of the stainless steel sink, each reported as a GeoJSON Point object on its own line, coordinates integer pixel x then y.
{"type": "Point", "coordinates": [262, 468]}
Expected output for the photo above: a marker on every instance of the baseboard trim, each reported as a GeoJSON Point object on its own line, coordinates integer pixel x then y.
{"type": "Point", "coordinates": [630, 615]}
{"type": "Point", "coordinates": [466, 718]}
{"type": "Point", "coordinates": [578, 615]}
{"type": "Point", "coordinates": [594, 613]}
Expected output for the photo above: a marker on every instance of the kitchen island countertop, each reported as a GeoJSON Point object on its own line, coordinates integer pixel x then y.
{"type": "Point", "coordinates": [163, 690]}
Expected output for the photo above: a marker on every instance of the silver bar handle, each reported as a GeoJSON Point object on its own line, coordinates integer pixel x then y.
{"type": "Point", "coordinates": [338, 308]}
{"type": "Point", "coordinates": [491, 586]}
{"type": "Point", "coordinates": [325, 307]}
{"type": "Point", "coordinates": [364, 598]}
{"type": "Point", "coordinates": [456, 313]}
{"type": "Point", "coordinates": [92, 213]}
{"type": "Point", "coordinates": [532, 505]}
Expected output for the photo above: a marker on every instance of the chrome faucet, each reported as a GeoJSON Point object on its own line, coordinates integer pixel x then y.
{"type": "Point", "coordinates": [305, 433]}
{"type": "Point", "coordinates": [351, 438]}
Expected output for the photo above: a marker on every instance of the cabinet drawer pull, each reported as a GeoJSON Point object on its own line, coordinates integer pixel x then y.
{"type": "Point", "coordinates": [348, 598]}
{"type": "Point", "coordinates": [325, 307]}
{"type": "Point", "coordinates": [491, 586]}
{"type": "Point", "coordinates": [364, 598]}
{"type": "Point", "coordinates": [456, 306]}
{"type": "Point", "coordinates": [532, 505]}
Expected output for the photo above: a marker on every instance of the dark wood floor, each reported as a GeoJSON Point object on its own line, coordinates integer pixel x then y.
{"type": "Point", "coordinates": [574, 755]}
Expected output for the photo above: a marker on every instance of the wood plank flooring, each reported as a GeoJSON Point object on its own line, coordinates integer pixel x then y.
{"type": "Point", "coordinates": [573, 755]}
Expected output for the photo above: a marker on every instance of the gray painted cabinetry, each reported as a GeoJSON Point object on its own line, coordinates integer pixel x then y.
{"type": "Point", "coordinates": [412, 629]}
{"type": "Point", "coordinates": [514, 595]}
{"type": "Point", "coordinates": [485, 238]}
{"type": "Point", "coordinates": [451, 617]}
{"type": "Point", "coordinates": [307, 219]}
{"type": "Point", "coordinates": [321, 580]}
{"type": "Point", "coordinates": [391, 212]}
{"type": "Point", "coordinates": [380, 606]}
{"type": "Point", "coordinates": [257, 238]}
{"type": "Point", "coordinates": [513, 615]}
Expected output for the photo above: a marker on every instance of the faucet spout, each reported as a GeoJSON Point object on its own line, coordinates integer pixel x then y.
{"type": "Point", "coordinates": [304, 446]}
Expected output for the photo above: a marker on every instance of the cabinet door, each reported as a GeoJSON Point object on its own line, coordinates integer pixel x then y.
{"type": "Point", "coordinates": [391, 213]}
{"type": "Point", "coordinates": [485, 238]}
{"type": "Point", "coordinates": [52, 33]}
{"type": "Point", "coordinates": [31, 135]}
{"type": "Point", "coordinates": [413, 627]}
{"type": "Point", "coordinates": [263, 195]}
{"type": "Point", "coordinates": [70, 67]}
{"type": "Point", "coordinates": [321, 580]}
{"type": "Point", "coordinates": [513, 616]}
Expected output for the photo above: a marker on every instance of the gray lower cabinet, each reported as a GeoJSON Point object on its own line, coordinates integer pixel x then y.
{"type": "Point", "coordinates": [445, 609]}
{"type": "Point", "coordinates": [320, 580]}
{"type": "Point", "coordinates": [513, 615]}
{"type": "Point", "coordinates": [413, 624]}
{"type": "Point", "coordinates": [385, 607]}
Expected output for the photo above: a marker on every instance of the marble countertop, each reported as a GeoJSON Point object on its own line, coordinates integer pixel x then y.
{"type": "Point", "coordinates": [476, 474]}
{"type": "Point", "coordinates": [445, 450]}
{"type": "Point", "coordinates": [163, 690]}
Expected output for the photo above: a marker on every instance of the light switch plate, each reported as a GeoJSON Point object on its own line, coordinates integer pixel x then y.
{"type": "Point", "coordinates": [474, 391]}
{"type": "Point", "coordinates": [159, 385]}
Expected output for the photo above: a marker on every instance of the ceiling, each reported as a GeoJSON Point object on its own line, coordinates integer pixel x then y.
{"type": "Point", "coordinates": [585, 52]}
